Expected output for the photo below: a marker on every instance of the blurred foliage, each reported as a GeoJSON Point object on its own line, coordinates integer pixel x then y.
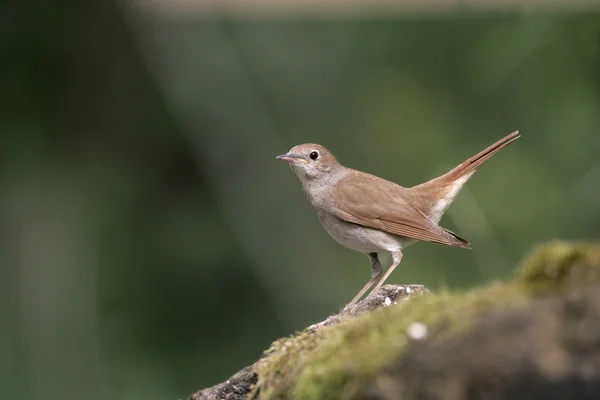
{"type": "Point", "coordinates": [152, 244]}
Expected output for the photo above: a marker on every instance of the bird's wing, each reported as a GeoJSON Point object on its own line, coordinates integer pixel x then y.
{"type": "Point", "coordinates": [373, 202]}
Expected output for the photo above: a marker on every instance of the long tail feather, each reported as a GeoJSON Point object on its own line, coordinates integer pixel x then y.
{"type": "Point", "coordinates": [479, 158]}
{"type": "Point", "coordinates": [436, 195]}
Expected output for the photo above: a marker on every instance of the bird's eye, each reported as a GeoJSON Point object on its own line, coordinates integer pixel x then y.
{"type": "Point", "coordinates": [314, 155]}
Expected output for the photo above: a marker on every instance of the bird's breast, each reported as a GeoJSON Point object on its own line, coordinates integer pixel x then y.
{"type": "Point", "coordinates": [358, 237]}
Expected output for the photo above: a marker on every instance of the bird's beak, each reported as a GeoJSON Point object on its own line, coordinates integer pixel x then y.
{"type": "Point", "coordinates": [291, 158]}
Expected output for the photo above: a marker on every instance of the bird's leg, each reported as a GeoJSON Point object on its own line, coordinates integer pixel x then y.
{"type": "Point", "coordinates": [375, 273]}
{"type": "Point", "coordinates": [396, 257]}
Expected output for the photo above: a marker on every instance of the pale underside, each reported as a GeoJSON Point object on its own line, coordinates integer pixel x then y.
{"type": "Point", "coordinates": [361, 238]}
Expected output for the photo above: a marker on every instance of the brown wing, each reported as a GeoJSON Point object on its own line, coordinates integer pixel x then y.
{"type": "Point", "coordinates": [373, 202]}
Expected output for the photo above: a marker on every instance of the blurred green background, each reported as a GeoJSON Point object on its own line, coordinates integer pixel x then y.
{"type": "Point", "coordinates": [152, 245]}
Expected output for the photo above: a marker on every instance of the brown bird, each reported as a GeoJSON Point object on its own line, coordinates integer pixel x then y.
{"type": "Point", "coordinates": [372, 215]}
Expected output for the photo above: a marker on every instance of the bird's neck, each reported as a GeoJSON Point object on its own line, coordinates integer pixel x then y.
{"type": "Point", "coordinates": [318, 189]}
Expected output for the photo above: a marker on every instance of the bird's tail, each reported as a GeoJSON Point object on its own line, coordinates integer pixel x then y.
{"type": "Point", "coordinates": [437, 194]}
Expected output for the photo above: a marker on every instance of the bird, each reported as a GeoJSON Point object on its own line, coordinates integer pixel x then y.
{"type": "Point", "coordinates": [372, 215]}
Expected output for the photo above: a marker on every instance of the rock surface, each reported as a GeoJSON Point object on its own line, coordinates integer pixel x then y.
{"type": "Point", "coordinates": [549, 350]}
{"type": "Point", "coordinates": [536, 336]}
{"type": "Point", "coordinates": [235, 388]}
{"type": "Point", "coordinates": [239, 385]}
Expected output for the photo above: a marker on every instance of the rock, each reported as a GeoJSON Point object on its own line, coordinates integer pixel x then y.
{"type": "Point", "coordinates": [235, 388]}
{"type": "Point", "coordinates": [383, 297]}
{"type": "Point", "coordinates": [536, 336]}
{"type": "Point", "coordinates": [546, 350]}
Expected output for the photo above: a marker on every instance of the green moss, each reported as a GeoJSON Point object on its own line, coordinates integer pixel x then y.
{"type": "Point", "coordinates": [336, 361]}
{"type": "Point", "coordinates": [560, 265]}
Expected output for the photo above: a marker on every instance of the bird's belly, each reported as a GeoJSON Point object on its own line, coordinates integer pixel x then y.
{"type": "Point", "coordinates": [360, 238]}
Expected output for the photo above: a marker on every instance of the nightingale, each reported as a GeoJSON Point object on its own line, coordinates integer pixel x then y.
{"type": "Point", "coordinates": [372, 215]}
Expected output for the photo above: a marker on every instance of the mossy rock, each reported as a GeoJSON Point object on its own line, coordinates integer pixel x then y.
{"type": "Point", "coordinates": [535, 336]}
